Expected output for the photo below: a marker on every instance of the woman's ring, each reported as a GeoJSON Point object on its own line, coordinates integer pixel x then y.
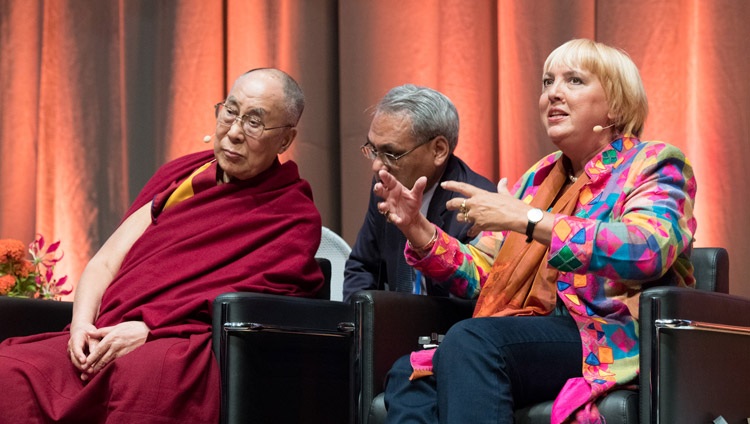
{"type": "Point", "coordinates": [463, 209]}
{"type": "Point", "coordinates": [466, 216]}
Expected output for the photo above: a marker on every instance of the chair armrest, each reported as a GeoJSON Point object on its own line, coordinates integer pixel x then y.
{"type": "Point", "coordinates": [273, 312]}
{"type": "Point", "coordinates": [689, 373]}
{"type": "Point", "coordinates": [388, 327]}
{"type": "Point", "coordinates": [24, 317]}
{"type": "Point", "coordinates": [692, 304]}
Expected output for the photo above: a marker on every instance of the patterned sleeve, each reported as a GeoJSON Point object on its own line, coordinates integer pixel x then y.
{"type": "Point", "coordinates": [468, 265]}
{"type": "Point", "coordinates": [650, 220]}
{"type": "Point", "coordinates": [465, 265]}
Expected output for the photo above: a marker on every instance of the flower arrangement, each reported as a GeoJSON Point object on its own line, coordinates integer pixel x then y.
{"type": "Point", "coordinates": [23, 277]}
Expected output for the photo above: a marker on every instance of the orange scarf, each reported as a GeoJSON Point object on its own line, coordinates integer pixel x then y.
{"type": "Point", "coordinates": [520, 282]}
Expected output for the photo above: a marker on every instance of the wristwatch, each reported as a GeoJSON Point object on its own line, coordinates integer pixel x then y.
{"type": "Point", "coordinates": [534, 215]}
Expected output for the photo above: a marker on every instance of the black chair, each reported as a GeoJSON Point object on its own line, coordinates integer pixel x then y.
{"type": "Point", "coordinates": [24, 317]}
{"type": "Point", "coordinates": [284, 359]}
{"type": "Point", "coordinates": [677, 366]}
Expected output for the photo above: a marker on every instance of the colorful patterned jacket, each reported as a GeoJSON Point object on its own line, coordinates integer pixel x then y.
{"type": "Point", "coordinates": [633, 228]}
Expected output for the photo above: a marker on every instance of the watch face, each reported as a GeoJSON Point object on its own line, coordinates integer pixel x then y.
{"type": "Point", "coordinates": [535, 215]}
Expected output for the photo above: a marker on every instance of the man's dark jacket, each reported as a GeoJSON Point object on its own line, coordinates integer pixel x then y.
{"type": "Point", "coordinates": [378, 252]}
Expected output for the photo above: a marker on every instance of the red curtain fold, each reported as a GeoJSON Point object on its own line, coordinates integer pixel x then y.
{"type": "Point", "coordinates": [95, 95]}
{"type": "Point", "coordinates": [20, 41]}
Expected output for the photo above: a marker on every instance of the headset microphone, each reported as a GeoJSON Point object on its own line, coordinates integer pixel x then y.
{"type": "Point", "coordinates": [207, 138]}
{"type": "Point", "coordinates": [599, 128]}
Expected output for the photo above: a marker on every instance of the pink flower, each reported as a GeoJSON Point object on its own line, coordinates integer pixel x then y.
{"type": "Point", "coordinates": [31, 278]}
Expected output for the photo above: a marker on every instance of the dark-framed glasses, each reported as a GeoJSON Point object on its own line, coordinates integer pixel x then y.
{"type": "Point", "coordinates": [389, 159]}
{"type": "Point", "coordinates": [251, 125]}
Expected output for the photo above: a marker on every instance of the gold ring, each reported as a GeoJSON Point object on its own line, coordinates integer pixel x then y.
{"type": "Point", "coordinates": [466, 216]}
{"type": "Point", "coordinates": [463, 207]}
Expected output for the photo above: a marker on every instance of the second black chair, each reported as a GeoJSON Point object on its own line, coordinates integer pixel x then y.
{"type": "Point", "coordinates": [389, 324]}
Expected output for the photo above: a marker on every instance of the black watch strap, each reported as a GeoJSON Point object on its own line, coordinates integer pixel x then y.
{"type": "Point", "coordinates": [534, 216]}
{"type": "Point", "coordinates": [530, 231]}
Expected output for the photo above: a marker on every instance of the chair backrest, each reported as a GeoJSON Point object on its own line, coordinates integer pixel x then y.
{"type": "Point", "coordinates": [711, 269]}
{"type": "Point", "coordinates": [336, 250]}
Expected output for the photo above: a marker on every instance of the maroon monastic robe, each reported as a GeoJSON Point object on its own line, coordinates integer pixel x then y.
{"type": "Point", "coordinates": [257, 235]}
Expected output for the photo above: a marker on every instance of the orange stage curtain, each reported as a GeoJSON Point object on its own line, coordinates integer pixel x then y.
{"type": "Point", "coordinates": [95, 95]}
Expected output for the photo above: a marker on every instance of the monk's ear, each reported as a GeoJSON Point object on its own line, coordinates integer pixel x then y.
{"type": "Point", "coordinates": [441, 150]}
{"type": "Point", "coordinates": [288, 138]}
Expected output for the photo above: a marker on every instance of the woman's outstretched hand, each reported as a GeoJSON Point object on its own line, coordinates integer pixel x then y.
{"type": "Point", "coordinates": [484, 210]}
{"type": "Point", "coordinates": [401, 207]}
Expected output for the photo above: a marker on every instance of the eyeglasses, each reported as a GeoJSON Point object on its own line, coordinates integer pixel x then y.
{"type": "Point", "coordinates": [251, 125]}
{"type": "Point", "coordinates": [389, 159]}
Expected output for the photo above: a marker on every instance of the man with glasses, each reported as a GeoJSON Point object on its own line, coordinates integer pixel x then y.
{"type": "Point", "coordinates": [413, 133]}
{"type": "Point", "coordinates": [233, 218]}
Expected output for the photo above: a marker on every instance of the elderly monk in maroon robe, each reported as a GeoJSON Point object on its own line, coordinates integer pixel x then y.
{"type": "Point", "coordinates": [138, 349]}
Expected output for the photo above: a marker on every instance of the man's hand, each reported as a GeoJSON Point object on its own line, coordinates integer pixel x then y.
{"type": "Point", "coordinates": [109, 343]}
{"type": "Point", "coordinates": [79, 344]}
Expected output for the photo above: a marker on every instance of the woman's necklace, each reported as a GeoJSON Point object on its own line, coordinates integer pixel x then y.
{"type": "Point", "coordinates": [569, 170]}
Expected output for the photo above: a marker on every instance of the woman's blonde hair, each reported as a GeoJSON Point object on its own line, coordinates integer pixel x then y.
{"type": "Point", "coordinates": [618, 75]}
